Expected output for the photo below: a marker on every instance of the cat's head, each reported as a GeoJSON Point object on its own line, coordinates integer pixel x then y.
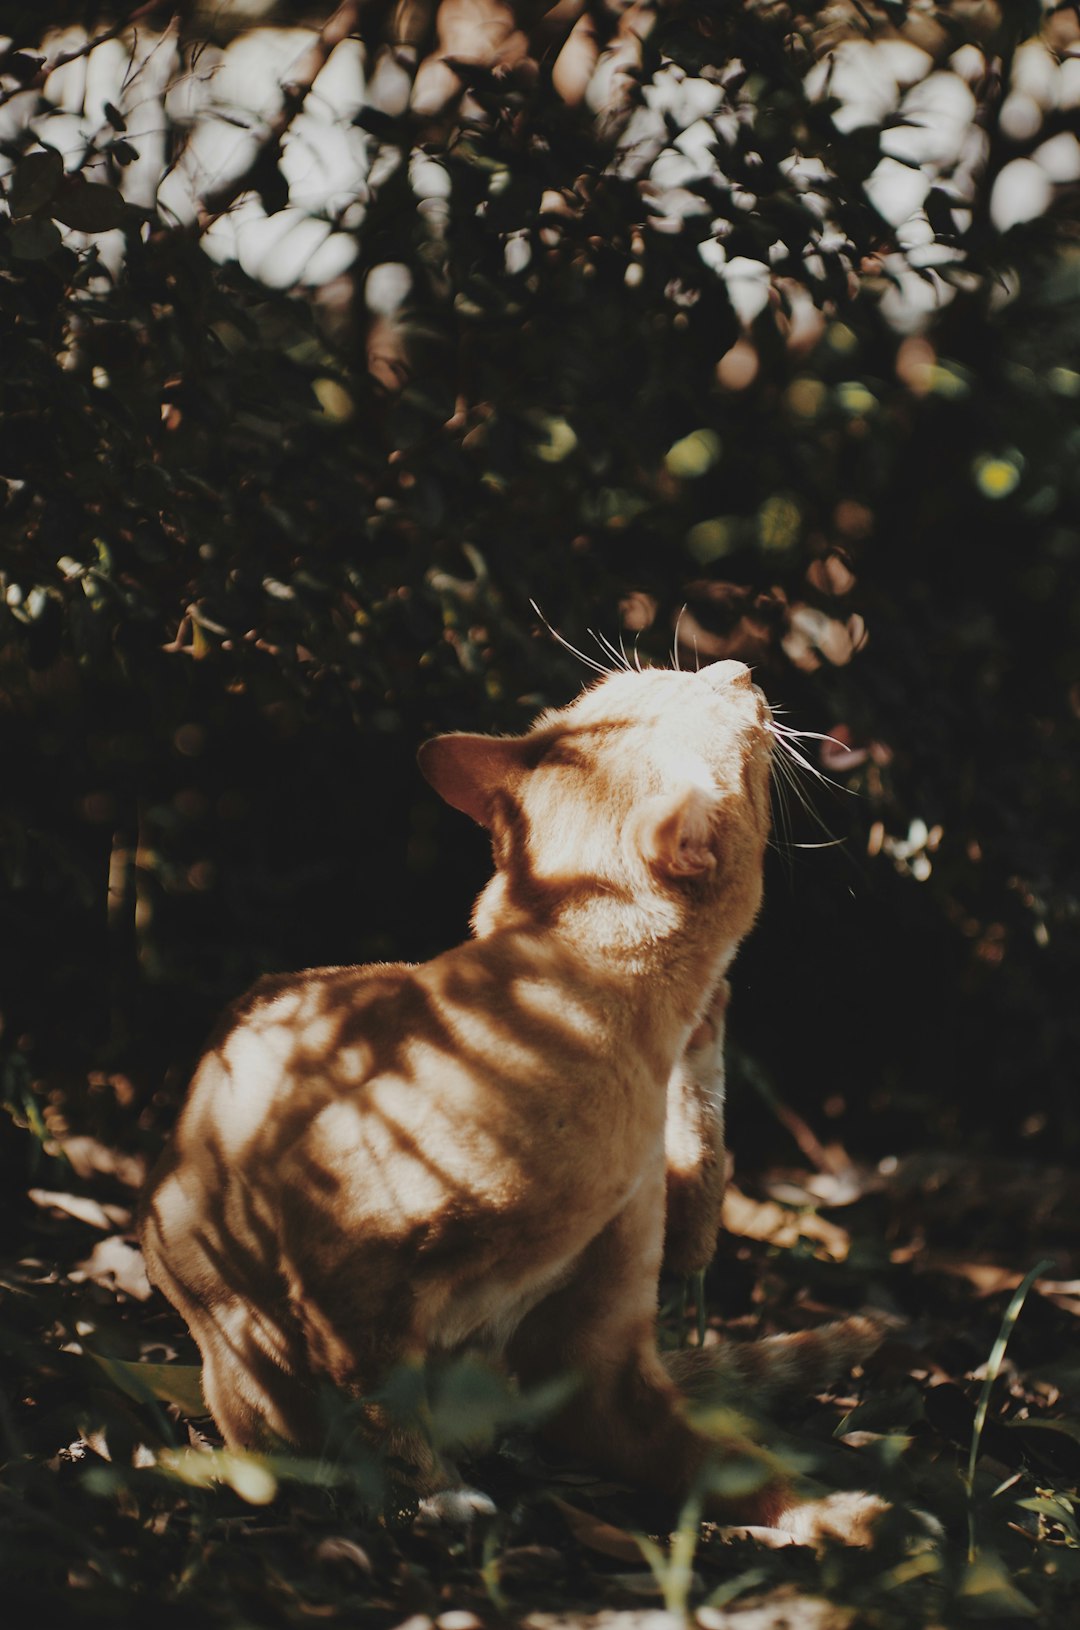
{"type": "Point", "coordinates": [650, 786]}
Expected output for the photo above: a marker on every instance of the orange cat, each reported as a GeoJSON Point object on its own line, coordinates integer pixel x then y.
{"type": "Point", "coordinates": [383, 1163]}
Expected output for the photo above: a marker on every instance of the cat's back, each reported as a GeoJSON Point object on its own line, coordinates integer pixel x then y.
{"type": "Point", "coordinates": [289, 1041]}
{"type": "Point", "coordinates": [461, 1030]}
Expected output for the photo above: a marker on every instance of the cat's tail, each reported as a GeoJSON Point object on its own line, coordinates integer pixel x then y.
{"type": "Point", "coordinates": [759, 1374]}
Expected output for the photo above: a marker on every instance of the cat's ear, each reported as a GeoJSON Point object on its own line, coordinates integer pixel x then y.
{"type": "Point", "coordinates": [469, 772]}
{"type": "Point", "coordinates": [676, 833]}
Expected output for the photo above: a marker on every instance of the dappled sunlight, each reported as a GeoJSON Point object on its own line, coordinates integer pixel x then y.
{"type": "Point", "coordinates": [335, 342]}
{"type": "Point", "coordinates": [229, 103]}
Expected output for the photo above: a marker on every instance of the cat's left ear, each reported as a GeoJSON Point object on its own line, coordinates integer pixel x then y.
{"type": "Point", "coordinates": [468, 772]}
{"type": "Point", "coordinates": [676, 833]}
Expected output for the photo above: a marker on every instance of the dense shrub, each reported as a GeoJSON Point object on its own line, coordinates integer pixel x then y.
{"type": "Point", "coordinates": [756, 334]}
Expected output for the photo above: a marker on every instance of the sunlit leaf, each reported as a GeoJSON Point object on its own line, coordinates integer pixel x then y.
{"type": "Point", "coordinates": [986, 1591]}
{"type": "Point", "coordinates": [251, 1479]}
{"type": "Point", "coordinates": [806, 397]}
{"type": "Point", "coordinates": [1059, 1509]}
{"type": "Point", "coordinates": [779, 523]}
{"type": "Point", "coordinates": [996, 477]}
{"type": "Point", "coordinates": [248, 1475]}
{"type": "Point", "coordinates": [709, 540]}
{"type": "Point", "coordinates": [693, 455]}
{"type": "Point", "coordinates": [855, 398]}
{"type": "Point", "coordinates": [179, 1384]}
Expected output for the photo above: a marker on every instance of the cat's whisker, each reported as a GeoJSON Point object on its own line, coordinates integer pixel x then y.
{"type": "Point", "coordinates": [622, 648]}
{"type": "Point", "coordinates": [784, 765]}
{"type": "Point", "coordinates": [590, 662]}
{"type": "Point", "coordinates": [602, 643]}
{"type": "Point", "coordinates": [788, 770]}
{"type": "Point", "coordinates": [619, 657]}
{"type": "Point", "coordinates": [675, 639]}
{"type": "Point", "coordinates": [781, 819]}
{"type": "Point", "coordinates": [784, 780]}
{"type": "Point", "coordinates": [808, 735]}
{"type": "Point", "coordinates": [782, 736]}
{"type": "Point", "coordinates": [785, 776]}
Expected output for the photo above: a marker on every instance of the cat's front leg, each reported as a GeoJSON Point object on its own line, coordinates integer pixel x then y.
{"type": "Point", "coordinates": [694, 1144]}
{"type": "Point", "coordinates": [598, 1330]}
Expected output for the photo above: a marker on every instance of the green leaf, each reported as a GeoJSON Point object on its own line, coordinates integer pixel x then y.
{"type": "Point", "coordinates": [90, 206]}
{"type": "Point", "coordinates": [470, 1401]}
{"type": "Point", "coordinates": [997, 1354]}
{"type": "Point", "coordinates": [996, 477]}
{"type": "Point", "coordinates": [709, 540]}
{"type": "Point", "coordinates": [248, 1475]}
{"type": "Point", "coordinates": [1058, 1509]}
{"type": "Point", "coordinates": [178, 1384]}
{"type": "Point", "coordinates": [34, 239]}
{"type": "Point", "coordinates": [1065, 1428]}
{"type": "Point", "coordinates": [856, 398]}
{"type": "Point", "coordinates": [33, 182]}
{"type": "Point", "coordinates": [987, 1592]}
{"type": "Point", "coordinates": [778, 524]}
{"type": "Point", "coordinates": [693, 455]}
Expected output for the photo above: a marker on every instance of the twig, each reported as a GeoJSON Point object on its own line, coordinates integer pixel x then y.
{"type": "Point", "coordinates": [810, 1145]}
{"type": "Point", "coordinates": [294, 94]}
{"type": "Point", "coordinates": [62, 58]}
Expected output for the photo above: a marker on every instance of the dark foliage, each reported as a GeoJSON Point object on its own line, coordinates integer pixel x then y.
{"type": "Point", "coordinates": [669, 361]}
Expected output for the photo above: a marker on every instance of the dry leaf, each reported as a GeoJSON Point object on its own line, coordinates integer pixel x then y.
{"type": "Point", "coordinates": [82, 1208]}
{"type": "Point", "coordinates": [116, 1265]}
{"type": "Point", "coordinates": [597, 1535]}
{"type": "Point", "coordinates": [778, 1225]}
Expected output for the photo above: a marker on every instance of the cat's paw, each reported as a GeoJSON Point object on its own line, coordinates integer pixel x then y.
{"type": "Point", "coordinates": [847, 1517]}
{"type": "Point", "coordinates": [454, 1508]}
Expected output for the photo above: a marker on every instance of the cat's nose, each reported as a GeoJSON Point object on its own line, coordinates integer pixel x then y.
{"type": "Point", "coordinates": [722, 674]}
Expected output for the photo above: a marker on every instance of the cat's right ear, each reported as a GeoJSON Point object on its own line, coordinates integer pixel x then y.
{"type": "Point", "coordinates": [676, 833]}
{"type": "Point", "coordinates": [469, 772]}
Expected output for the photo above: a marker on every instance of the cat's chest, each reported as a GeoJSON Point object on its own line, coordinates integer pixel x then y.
{"type": "Point", "coordinates": [527, 1254]}
{"type": "Point", "coordinates": [485, 1314]}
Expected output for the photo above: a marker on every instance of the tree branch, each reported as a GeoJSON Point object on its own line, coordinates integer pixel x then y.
{"type": "Point", "coordinates": [62, 58]}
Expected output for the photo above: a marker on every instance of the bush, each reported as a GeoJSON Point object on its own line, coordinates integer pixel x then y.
{"type": "Point", "coordinates": [754, 334]}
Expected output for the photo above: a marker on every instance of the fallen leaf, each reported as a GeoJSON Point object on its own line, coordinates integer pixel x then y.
{"type": "Point", "coordinates": [88, 1157]}
{"type": "Point", "coordinates": [82, 1208]}
{"type": "Point", "coordinates": [597, 1535]}
{"type": "Point", "coordinates": [779, 1225]}
{"type": "Point", "coordinates": [116, 1265]}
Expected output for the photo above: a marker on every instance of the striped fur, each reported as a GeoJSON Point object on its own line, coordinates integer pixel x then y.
{"type": "Point", "coordinates": [776, 1369]}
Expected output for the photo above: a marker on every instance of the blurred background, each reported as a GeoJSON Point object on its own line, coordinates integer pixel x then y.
{"type": "Point", "coordinates": [332, 340]}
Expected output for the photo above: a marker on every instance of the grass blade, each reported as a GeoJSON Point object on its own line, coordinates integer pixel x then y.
{"type": "Point", "coordinates": [993, 1368]}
